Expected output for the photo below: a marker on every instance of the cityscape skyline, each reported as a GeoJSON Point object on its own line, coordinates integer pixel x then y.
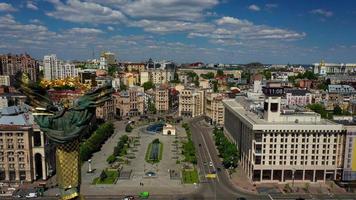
{"type": "Point", "coordinates": [183, 31]}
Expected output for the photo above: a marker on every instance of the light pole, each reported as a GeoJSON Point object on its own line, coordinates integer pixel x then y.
{"type": "Point", "coordinates": [293, 171]}
{"type": "Point", "coordinates": [89, 166]}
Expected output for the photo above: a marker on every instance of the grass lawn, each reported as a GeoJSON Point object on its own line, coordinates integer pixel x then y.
{"type": "Point", "coordinates": [190, 176]}
{"type": "Point", "coordinates": [112, 176]}
{"type": "Point", "coordinates": [148, 153]}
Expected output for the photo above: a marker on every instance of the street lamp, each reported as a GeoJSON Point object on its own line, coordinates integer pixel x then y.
{"type": "Point", "coordinates": [293, 171]}
{"type": "Point", "coordinates": [89, 166]}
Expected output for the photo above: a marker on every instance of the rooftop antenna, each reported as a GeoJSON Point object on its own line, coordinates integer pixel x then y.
{"type": "Point", "coordinates": [93, 54]}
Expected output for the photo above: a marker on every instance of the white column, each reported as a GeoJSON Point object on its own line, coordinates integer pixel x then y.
{"type": "Point", "coordinates": [44, 171]}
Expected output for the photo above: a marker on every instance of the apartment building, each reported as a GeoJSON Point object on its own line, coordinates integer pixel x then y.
{"type": "Point", "coordinates": [214, 108]}
{"type": "Point", "coordinates": [191, 102]}
{"type": "Point", "coordinates": [106, 112]}
{"type": "Point", "coordinates": [106, 59]}
{"type": "Point", "coordinates": [137, 67]}
{"type": "Point", "coordinates": [279, 146]}
{"type": "Point", "coordinates": [57, 69]}
{"type": "Point", "coordinates": [25, 153]}
{"type": "Point", "coordinates": [5, 80]}
{"type": "Point", "coordinates": [11, 64]}
{"type": "Point", "coordinates": [129, 102]}
{"type": "Point", "coordinates": [162, 98]}
{"type": "Point", "coordinates": [298, 97]}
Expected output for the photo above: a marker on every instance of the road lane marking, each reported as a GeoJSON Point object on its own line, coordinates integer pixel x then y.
{"type": "Point", "coordinates": [209, 154]}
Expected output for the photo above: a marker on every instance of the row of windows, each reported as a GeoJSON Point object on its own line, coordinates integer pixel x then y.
{"type": "Point", "coordinates": [11, 134]}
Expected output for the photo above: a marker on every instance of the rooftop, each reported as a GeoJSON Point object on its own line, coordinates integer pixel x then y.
{"type": "Point", "coordinates": [248, 112]}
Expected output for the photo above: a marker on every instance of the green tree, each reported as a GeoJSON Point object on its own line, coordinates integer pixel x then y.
{"type": "Point", "coordinates": [310, 75]}
{"type": "Point", "coordinates": [128, 128]}
{"type": "Point", "coordinates": [208, 75]}
{"type": "Point", "coordinates": [112, 69]}
{"type": "Point", "coordinates": [148, 85]}
{"type": "Point", "coordinates": [267, 74]}
{"type": "Point", "coordinates": [123, 87]}
{"type": "Point", "coordinates": [337, 110]}
{"type": "Point", "coordinates": [219, 73]}
{"type": "Point", "coordinates": [111, 159]}
{"type": "Point", "coordinates": [103, 175]}
{"type": "Point", "coordinates": [318, 108]}
{"type": "Point", "coordinates": [215, 86]}
{"type": "Point", "coordinates": [151, 107]}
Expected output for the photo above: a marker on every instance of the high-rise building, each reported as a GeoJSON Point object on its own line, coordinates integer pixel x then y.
{"type": "Point", "coordinates": [11, 64]}
{"type": "Point", "coordinates": [106, 59]}
{"type": "Point", "coordinates": [278, 145]}
{"type": "Point", "coordinates": [56, 69]}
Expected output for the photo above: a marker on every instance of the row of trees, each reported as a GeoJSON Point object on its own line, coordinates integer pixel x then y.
{"type": "Point", "coordinates": [95, 141]}
{"type": "Point", "coordinates": [319, 108]}
{"type": "Point", "coordinates": [120, 149]}
{"type": "Point", "coordinates": [227, 150]}
{"type": "Point", "coordinates": [188, 147]}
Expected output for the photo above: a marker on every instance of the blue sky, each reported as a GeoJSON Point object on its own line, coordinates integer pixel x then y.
{"type": "Point", "coordinates": [219, 31]}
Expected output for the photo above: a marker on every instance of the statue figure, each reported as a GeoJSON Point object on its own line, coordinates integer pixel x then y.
{"type": "Point", "coordinates": [63, 125]}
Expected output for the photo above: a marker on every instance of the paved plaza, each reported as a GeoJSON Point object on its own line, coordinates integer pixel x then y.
{"type": "Point", "coordinates": [135, 171]}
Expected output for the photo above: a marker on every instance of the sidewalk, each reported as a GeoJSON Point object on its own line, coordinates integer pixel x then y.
{"type": "Point", "coordinates": [240, 180]}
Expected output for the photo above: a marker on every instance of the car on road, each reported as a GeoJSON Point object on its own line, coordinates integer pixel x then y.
{"type": "Point", "coordinates": [31, 195]}
{"type": "Point", "coordinates": [129, 197]}
{"type": "Point", "coordinates": [211, 164]}
{"type": "Point", "coordinates": [241, 198]}
{"type": "Point", "coordinates": [150, 174]}
{"type": "Point", "coordinates": [199, 144]}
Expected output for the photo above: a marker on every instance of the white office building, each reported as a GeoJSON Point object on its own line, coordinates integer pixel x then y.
{"type": "Point", "coordinates": [284, 146]}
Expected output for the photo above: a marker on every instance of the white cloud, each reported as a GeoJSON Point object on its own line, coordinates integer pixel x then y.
{"type": "Point", "coordinates": [172, 26]}
{"type": "Point", "coordinates": [35, 21]}
{"type": "Point", "coordinates": [322, 12]}
{"type": "Point", "coordinates": [85, 31]}
{"type": "Point", "coordinates": [31, 5]}
{"type": "Point", "coordinates": [110, 28]}
{"type": "Point", "coordinates": [233, 21]}
{"type": "Point", "coordinates": [254, 7]}
{"type": "Point", "coordinates": [229, 27]}
{"type": "Point", "coordinates": [270, 6]}
{"type": "Point", "coordinates": [187, 10]}
{"type": "Point", "coordinates": [6, 7]}
{"type": "Point", "coordinates": [85, 12]}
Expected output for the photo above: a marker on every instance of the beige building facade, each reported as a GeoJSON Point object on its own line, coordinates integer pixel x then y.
{"type": "Point", "coordinates": [191, 102]}
{"type": "Point", "coordinates": [106, 112]}
{"type": "Point", "coordinates": [214, 108]}
{"type": "Point", "coordinates": [23, 156]}
{"type": "Point", "coordinates": [129, 102]}
{"type": "Point", "coordinates": [162, 99]}
{"type": "Point", "coordinates": [284, 147]}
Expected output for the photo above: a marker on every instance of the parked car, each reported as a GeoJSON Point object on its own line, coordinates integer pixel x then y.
{"type": "Point", "coordinates": [31, 195]}
{"type": "Point", "coordinates": [129, 197]}
{"type": "Point", "coordinates": [211, 164]}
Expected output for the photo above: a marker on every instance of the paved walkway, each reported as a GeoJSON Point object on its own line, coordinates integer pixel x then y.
{"type": "Point", "coordinates": [99, 158]}
{"type": "Point", "coordinates": [138, 165]}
